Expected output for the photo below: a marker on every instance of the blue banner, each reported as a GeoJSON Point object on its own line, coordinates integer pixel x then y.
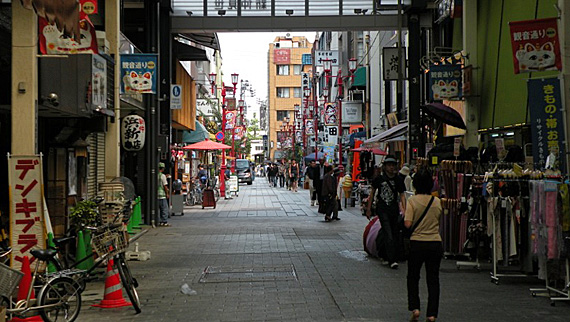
{"type": "Point", "coordinates": [545, 104]}
{"type": "Point", "coordinates": [139, 73]}
{"type": "Point", "coordinates": [445, 82]}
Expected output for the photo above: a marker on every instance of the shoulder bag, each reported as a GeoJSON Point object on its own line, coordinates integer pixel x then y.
{"type": "Point", "coordinates": [407, 232]}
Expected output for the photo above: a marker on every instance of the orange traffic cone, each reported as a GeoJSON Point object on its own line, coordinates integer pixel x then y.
{"type": "Point", "coordinates": [23, 289]}
{"type": "Point", "coordinates": [113, 290]}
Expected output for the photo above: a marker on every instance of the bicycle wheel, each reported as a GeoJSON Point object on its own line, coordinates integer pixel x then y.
{"type": "Point", "coordinates": [63, 299]}
{"type": "Point", "coordinates": [128, 281]}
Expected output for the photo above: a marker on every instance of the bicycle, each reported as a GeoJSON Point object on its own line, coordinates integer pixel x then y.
{"type": "Point", "coordinates": [194, 196]}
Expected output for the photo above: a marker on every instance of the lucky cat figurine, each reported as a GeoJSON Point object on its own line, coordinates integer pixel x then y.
{"type": "Point", "coordinates": [531, 58]}
{"type": "Point", "coordinates": [442, 89]}
{"type": "Point", "coordinates": [137, 83]}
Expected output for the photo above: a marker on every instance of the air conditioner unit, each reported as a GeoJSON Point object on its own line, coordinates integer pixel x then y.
{"type": "Point", "coordinates": [356, 96]}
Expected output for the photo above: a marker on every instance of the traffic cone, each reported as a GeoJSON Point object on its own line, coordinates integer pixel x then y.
{"type": "Point", "coordinates": [137, 213]}
{"type": "Point", "coordinates": [51, 245]}
{"type": "Point", "coordinates": [23, 289]}
{"type": "Point", "coordinates": [88, 249]}
{"type": "Point", "coordinates": [113, 290]}
{"type": "Point", "coordinates": [80, 252]}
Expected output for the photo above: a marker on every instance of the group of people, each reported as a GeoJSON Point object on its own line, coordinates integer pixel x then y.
{"type": "Point", "coordinates": [324, 189]}
{"type": "Point", "coordinates": [421, 216]}
{"type": "Point", "coordinates": [284, 173]}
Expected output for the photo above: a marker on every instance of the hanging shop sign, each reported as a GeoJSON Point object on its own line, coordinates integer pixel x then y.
{"type": "Point", "coordinates": [175, 97]}
{"type": "Point", "coordinates": [99, 82]}
{"type": "Point", "coordinates": [27, 221]}
{"type": "Point", "coordinates": [133, 132]}
{"type": "Point", "coordinates": [535, 45]}
{"type": "Point", "coordinates": [330, 111]}
{"type": "Point", "coordinates": [53, 41]}
{"type": "Point", "coordinates": [231, 104]}
{"type": "Point", "coordinates": [351, 113]}
{"type": "Point", "coordinates": [207, 106]}
{"type": "Point", "coordinates": [299, 136]}
{"type": "Point", "coordinates": [328, 151]}
{"type": "Point", "coordinates": [332, 134]}
{"type": "Point", "coordinates": [239, 132]}
{"type": "Point", "coordinates": [445, 82]}
{"type": "Point", "coordinates": [230, 118]}
{"type": "Point", "coordinates": [305, 80]}
{"type": "Point", "coordinates": [321, 55]}
{"type": "Point", "coordinates": [281, 56]}
{"type": "Point", "coordinates": [88, 7]}
{"type": "Point", "coordinates": [390, 62]}
{"type": "Point", "coordinates": [545, 104]}
{"type": "Point", "coordinates": [309, 127]}
{"type": "Point", "coordinates": [138, 73]}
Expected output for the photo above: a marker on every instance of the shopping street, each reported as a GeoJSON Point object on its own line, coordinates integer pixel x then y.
{"type": "Point", "coordinates": [284, 263]}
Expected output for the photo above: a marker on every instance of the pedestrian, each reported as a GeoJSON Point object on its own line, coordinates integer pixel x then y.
{"type": "Point", "coordinates": [281, 173]}
{"type": "Point", "coordinates": [404, 175]}
{"type": "Point", "coordinates": [319, 174]}
{"type": "Point", "coordinates": [162, 196]}
{"type": "Point", "coordinates": [294, 175]}
{"type": "Point", "coordinates": [274, 171]}
{"type": "Point", "coordinates": [388, 201]}
{"type": "Point", "coordinates": [309, 176]}
{"type": "Point", "coordinates": [328, 193]}
{"type": "Point", "coordinates": [425, 244]}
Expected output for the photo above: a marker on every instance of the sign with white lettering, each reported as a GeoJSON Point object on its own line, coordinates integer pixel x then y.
{"type": "Point", "coordinates": [321, 55]}
{"type": "Point", "coordinates": [175, 97]}
{"type": "Point", "coordinates": [351, 113]}
{"type": "Point", "coordinates": [207, 106]}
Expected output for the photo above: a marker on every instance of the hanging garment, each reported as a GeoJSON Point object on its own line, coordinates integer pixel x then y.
{"type": "Point", "coordinates": [511, 220]}
{"type": "Point", "coordinates": [494, 220]}
{"type": "Point", "coordinates": [563, 189]}
{"type": "Point", "coordinates": [551, 212]}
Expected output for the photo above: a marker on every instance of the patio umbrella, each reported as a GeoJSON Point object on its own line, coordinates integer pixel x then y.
{"type": "Point", "coordinates": [207, 145]}
{"type": "Point", "coordinates": [376, 151]}
{"type": "Point", "coordinates": [445, 114]}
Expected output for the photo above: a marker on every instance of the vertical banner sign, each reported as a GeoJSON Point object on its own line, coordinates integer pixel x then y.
{"type": "Point", "coordinates": [175, 97]}
{"type": "Point", "coordinates": [330, 114]}
{"type": "Point", "coordinates": [238, 132]}
{"type": "Point", "coordinates": [138, 73]}
{"type": "Point", "coordinates": [456, 147]}
{"type": "Point", "coordinates": [133, 133]}
{"type": "Point", "coordinates": [309, 127]}
{"type": "Point", "coordinates": [305, 81]}
{"type": "Point", "coordinates": [545, 103]}
{"type": "Point", "coordinates": [298, 137]}
{"type": "Point", "coordinates": [445, 82]}
{"type": "Point", "coordinates": [230, 119]}
{"type": "Point", "coordinates": [27, 229]}
{"type": "Point", "coordinates": [390, 62]}
{"type": "Point", "coordinates": [328, 151]}
{"type": "Point", "coordinates": [281, 56]}
{"type": "Point", "coordinates": [535, 45]}
{"type": "Point", "coordinates": [230, 104]}
{"type": "Point", "coordinates": [332, 133]}
{"type": "Point", "coordinates": [99, 81]}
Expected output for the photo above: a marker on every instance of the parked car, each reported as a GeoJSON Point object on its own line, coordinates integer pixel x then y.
{"type": "Point", "coordinates": [244, 169]}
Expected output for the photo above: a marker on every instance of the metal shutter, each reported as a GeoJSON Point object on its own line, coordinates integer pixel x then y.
{"type": "Point", "coordinates": [96, 172]}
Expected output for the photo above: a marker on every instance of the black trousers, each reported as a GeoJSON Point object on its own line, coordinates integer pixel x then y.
{"type": "Point", "coordinates": [429, 253]}
{"type": "Point", "coordinates": [391, 231]}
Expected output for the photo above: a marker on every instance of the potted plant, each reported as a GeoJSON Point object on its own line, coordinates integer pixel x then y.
{"type": "Point", "coordinates": [84, 213]}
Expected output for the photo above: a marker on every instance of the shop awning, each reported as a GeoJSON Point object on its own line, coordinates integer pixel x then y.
{"type": "Point", "coordinates": [394, 132]}
{"type": "Point", "coordinates": [360, 77]}
{"type": "Point", "coordinates": [186, 52]}
{"type": "Point", "coordinates": [199, 135]}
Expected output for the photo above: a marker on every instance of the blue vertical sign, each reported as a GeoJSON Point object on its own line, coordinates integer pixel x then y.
{"type": "Point", "coordinates": [138, 73]}
{"type": "Point", "coordinates": [545, 104]}
{"type": "Point", "coordinates": [445, 82]}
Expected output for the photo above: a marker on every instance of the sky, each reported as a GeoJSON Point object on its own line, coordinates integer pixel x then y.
{"type": "Point", "coordinates": [245, 53]}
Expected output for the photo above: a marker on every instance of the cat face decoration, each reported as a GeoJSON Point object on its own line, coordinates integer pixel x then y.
{"type": "Point", "coordinates": [139, 74]}
{"type": "Point", "coordinates": [532, 58]}
{"type": "Point", "coordinates": [535, 45]}
{"type": "Point", "coordinates": [53, 41]}
{"type": "Point", "coordinates": [445, 82]}
{"type": "Point", "coordinates": [138, 83]}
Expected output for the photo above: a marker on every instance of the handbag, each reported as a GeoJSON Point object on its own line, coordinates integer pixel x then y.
{"type": "Point", "coordinates": [407, 233]}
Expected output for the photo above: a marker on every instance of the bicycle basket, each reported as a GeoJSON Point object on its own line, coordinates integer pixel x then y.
{"type": "Point", "coordinates": [9, 280]}
{"type": "Point", "coordinates": [110, 241]}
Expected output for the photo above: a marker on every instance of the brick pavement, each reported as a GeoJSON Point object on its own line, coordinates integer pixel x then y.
{"type": "Point", "coordinates": [271, 257]}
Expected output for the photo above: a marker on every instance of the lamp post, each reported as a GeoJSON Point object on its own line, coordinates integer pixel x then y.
{"type": "Point", "coordinates": [241, 106]}
{"type": "Point", "coordinates": [212, 78]}
{"type": "Point", "coordinates": [234, 82]}
{"type": "Point", "coordinates": [223, 167]}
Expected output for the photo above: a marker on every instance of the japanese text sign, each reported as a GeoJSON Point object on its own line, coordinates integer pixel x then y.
{"type": "Point", "coordinates": [27, 230]}
{"type": "Point", "coordinates": [133, 132]}
{"type": "Point", "coordinates": [535, 45]}
{"type": "Point", "coordinates": [445, 82]}
{"type": "Point", "coordinates": [207, 106]}
{"type": "Point", "coordinates": [390, 62]}
{"type": "Point", "coordinates": [321, 55]}
{"type": "Point", "coordinates": [88, 7]}
{"type": "Point", "coordinates": [330, 114]}
{"type": "Point", "coordinates": [138, 73]}
{"type": "Point", "coordinates": [305, 80]}
{"type": "Point", "coordinates": [545, 104]}
{"type": "Point", "coordinates": [230, 118]}
{"type": "Point", "coordinates": [309, 127]}
{"type": "Point", "coordinates": [281, 56]}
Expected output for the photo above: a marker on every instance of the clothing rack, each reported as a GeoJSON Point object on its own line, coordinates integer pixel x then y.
{"type": "Point", "coordinates": [548, 290]}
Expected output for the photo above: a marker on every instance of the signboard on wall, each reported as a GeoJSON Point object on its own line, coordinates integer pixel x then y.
{"type": "Point", "coordinates": [27, 222]}
{"type": "Point", "coordinates": [445, 82]}
{"type": "Point", "coordinates": [282, 56]}
{"type": "Point", "coordinates": [321, 55]}
{"type": "Point", "coordinates": [390, 62]}
{"type": "Point", "coordinates": [535, 45]}
{"type": "Point", "coordinates": [351, 113]}
{"type": "Point", "coordinates": [138, 73]}
{"type": "Point", "coordinates": [207, 106]}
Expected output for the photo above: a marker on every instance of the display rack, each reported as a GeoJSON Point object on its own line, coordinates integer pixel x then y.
{"type": "Point", "coordinates": [564, 295]}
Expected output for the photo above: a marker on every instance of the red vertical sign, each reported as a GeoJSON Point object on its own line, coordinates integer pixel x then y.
{"type": "Point", "coordinates": [535, 45]}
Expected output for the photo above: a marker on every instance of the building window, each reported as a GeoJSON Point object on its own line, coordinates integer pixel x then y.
{"type": "Point", "coordinates": [283, 70]}
{"type": "Point", "coordinates": [283, 92]}
{"type": "Point", "coordinates": [297, 92]}
{"type": "Point", "coordinates": [281, 115]}
{"type": "Point", "coordinates": [297, 69]}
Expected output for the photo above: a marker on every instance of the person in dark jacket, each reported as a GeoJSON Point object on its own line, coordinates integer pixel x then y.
{"type": "Point", "coordinates": [318, 175]}
{"type": "Point", "coordinates": [328, 193]}
{"type": "Point", "coordinates": [310, 177]}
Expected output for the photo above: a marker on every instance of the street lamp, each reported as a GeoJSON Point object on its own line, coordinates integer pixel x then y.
{"type": "Point", "coordinates": [212, 78]}
{"type": "Point", "coordinates": [326, 93]}
{"type": "Point", "coordinates": [234, 82]}
{"type": "Point", "coordinates": [223, 167]}
{"type": "Point", "coordinates": [241, 123]}
{"type": "Point", "coordinates": [352, 67]}
{"type": "Point", "coordinates": [327, 65]}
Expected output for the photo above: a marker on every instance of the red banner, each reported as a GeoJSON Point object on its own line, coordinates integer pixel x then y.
{"type": "Point", "coordinates": [535, 45]}
{"type": "Point", "coordinates": [281, 56]}
{"type": "Point", "coordinates": [230, 118]}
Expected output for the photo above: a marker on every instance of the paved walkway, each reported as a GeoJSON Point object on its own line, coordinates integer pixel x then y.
{"type": "Point", "coordinates": [268, 256]}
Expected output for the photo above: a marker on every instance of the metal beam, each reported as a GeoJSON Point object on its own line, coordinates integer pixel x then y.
{"type": "Point", "coordinates": [187, 24]}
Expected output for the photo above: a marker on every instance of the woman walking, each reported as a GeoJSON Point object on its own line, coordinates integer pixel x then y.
{"type": "Point", "coordinates": [328, 193]}
{"type": "Point", "coordinates": [423, 213]}
{"type": "Point", "coordinates": [293, 175]}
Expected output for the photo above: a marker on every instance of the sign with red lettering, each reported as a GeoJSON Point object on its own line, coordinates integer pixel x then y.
{"type": "Point", "coordinates": [535, 45]}
{"type": "Point", "coordinates": [27, 230]}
